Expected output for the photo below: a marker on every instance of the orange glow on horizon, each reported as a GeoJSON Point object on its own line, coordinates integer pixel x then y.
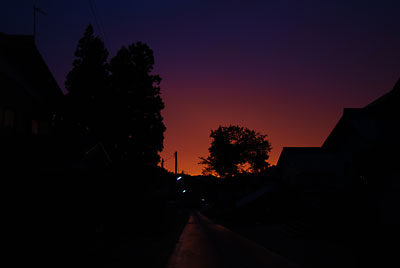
{"type": "Point", "coordinates": [304, 118]}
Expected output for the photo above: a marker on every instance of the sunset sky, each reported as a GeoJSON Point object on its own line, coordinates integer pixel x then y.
{"type": "Point", "coordinates": [283, 68]}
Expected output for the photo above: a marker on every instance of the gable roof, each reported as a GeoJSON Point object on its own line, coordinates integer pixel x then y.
{"type": "Point", "coordinates": [308, 160]}
{"type": "Point", "coordinates": [388, 98]}
{"type": "Point", "coordinates": [362, 123]}
{"type": "Point", "coordinates": [21, 62]}
{"type": "Point", "coordinates": [297, 153]}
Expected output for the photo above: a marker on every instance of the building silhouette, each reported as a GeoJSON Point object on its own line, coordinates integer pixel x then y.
{"type": "Point", "coordinates": [28, 97]}
{"type": "Point", "coordinates": [361, 154]}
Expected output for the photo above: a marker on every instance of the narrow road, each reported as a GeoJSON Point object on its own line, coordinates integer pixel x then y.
{"type": "Point", "coordinates": [204, 244]}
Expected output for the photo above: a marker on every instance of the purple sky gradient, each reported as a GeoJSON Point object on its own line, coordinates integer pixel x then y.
{"type": "Point", "coordinates": [285, 69]}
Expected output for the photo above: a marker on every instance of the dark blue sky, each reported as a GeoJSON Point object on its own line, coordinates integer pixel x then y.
{"type": "Point", "coordinates": [284, 68]}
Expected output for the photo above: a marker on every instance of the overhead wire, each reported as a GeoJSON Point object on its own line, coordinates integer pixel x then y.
{"type": "Point", "coordinates": [101, 29]}
{"type": "Point", "coordinates": [101, 23]}
{"type": "Point", "coordinates": [169, 158]}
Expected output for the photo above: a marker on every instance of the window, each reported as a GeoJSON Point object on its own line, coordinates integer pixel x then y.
{"type": "Point", "coordinates": [9, 118]}
{"type": "Point", "coordinates": [44, 128]}
{"type": "Point", "coordinates": [35, 127]}
{"type": "Point", "coordinates": [1, 116]}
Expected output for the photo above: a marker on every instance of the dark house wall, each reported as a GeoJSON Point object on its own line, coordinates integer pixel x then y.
{"type": "Point", "coordinates": [361, 151]}
{"type": "Point", "coordinates": [28, 97]}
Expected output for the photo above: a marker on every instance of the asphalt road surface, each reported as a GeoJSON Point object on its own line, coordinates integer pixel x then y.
{"type": "Point", "coordinates": [205, 244]}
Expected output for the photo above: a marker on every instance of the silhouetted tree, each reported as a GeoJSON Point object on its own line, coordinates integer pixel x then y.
{"type": "Point", "coordinates": [139, 132]}
{"type": "Point", "coordinates": [88, 87]}
{"type": "Point", "coordinates": [117, 104]}
{"type": "Point", "coordinates": [236, 150]}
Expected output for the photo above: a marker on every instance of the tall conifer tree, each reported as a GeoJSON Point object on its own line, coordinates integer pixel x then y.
{"type": "Point", "coordinates": [88, 86]}
{"type": "Point", "coordinates": [141, 130]}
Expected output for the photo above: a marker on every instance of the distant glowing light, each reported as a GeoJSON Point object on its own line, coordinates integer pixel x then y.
{"type": "Point", "coordinates": [202, 200]}
{"type": "Point", "coordinates": [184, 191]}
{"type": "Point", "coordinates": [180, 177]}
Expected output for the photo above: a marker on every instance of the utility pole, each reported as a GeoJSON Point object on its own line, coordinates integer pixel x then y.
{"type": "Point", "coordinates": [176, 162]}
{"type": "Point", "coordinates": [36, 9]}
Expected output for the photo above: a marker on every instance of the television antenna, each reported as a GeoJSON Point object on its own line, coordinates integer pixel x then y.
{"type": "Point", "coordinates": [36, 10]}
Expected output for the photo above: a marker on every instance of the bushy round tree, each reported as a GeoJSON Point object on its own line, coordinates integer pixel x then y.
{"type": "Point", "coordinates": [235, 150]}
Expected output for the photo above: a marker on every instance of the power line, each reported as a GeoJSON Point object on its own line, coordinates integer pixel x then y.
{"type": "Point", "coordinates": [97, 22]}
{"type": "Point", "coordinates": [94, 14]}
{"type": "Point", "coordinates": [172, 155]}
{"type": "Point", "coordinates": [101, 23]}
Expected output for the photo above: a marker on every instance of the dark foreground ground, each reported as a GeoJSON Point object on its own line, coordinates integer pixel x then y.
{"type": "Point", "coordinates": [88, 221]}
{"type": "Point", "coordinates": [320, 237]}
{"type": "Point", "coordinates": [93, 220]}
{"type": "Point", "coordinates": [204, 244]}
{"type": "Point", "coordinates": [291, 241]}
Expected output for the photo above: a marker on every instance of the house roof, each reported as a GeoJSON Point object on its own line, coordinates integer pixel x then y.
{"type": "Point", "coordinates": [363, 122]}
{"type": "Point", "coordinates": [21, 62]}
{"type": "Point", "coordinates": [307, 159]}
{"type": "Point", "coordinates": [298, 153]}
{"type": "Point", "coordinates": [394, 94]}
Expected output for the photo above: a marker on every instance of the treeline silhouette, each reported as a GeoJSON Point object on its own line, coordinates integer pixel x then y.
{"type": "Point", "coordinates": [112, 112]}
{"type": "Point", "coordinates": [111, 130]}
{"type": "Point", "coordinates": [91, 192]}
